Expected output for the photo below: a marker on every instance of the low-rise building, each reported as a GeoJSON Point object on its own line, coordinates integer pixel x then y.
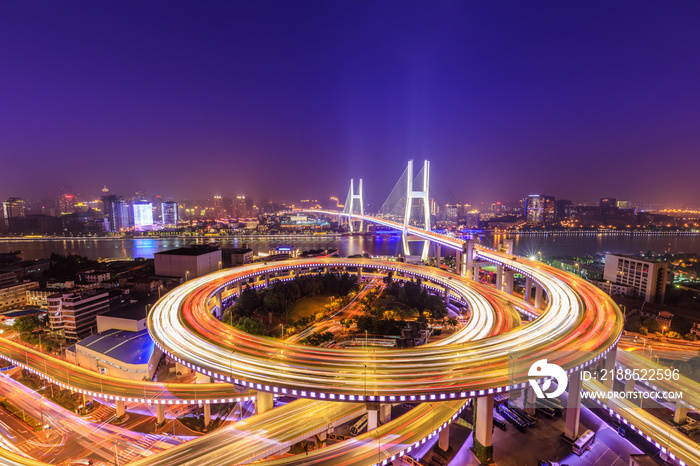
{"type": "Point", "coordinates": [131, 317]}
{"type": "Point", "coordinates": [613, 289]}
{"type": "Point", "coordinates": [231, 257]}
{"type": "Point", "coordinates": [15, 296]}
{"type": "Point", "coordinates": [647, 277]}
{"type": "Point", "coordinates": [188, 263]}
{"type": "Point", "coordinates": [73, 315]}
{"type": "Point", "coordinates": [117, 353]}
{"type": "Point", "coordinates": [38, 297]}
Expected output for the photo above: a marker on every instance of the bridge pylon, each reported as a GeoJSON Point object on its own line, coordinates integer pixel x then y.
{"type": "Point", "coordinates": [422, 194]}
{"type": "Point", "coordinates": [354, 204]}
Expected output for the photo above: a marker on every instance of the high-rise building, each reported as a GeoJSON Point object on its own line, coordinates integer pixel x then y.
{"type": "Point", "coordinates": [116, 210]}
{"type": "Point", "coordinates": [239, 207]}
{"type": "Point", "coordinates": [67, 204]}
{"type": "Point", "coordinates": [648, 278]}
{"type": "Point", "coordinates": [563, 209]}
{"type": "Point", "coordinates": [13, 208]}
{"type": "Point", "coordinates": [143, 216]}
{"type": "Point", "coordinates": [74, 314]}
{"type": "Point", "coordinates": [169, 214]}
{"type": "Point", "coordinates": [539, 209]}
{"type": "Point", "coordinates": [472, 220]}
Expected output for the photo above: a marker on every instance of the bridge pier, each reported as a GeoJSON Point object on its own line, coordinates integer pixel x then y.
{"type": "Point", "coordinates": [447, 296]}
{"type": "Point", "coordinates": [679, 413]}
{"type": "Point", "coordinates": [528, 290]}
{"type": "Point", "coordinates": [359, 274]}
{"type": "Point", "coordinates": [182, 369]}
{"type": "Point", "coordinates": [499, 277]}
{"type": "Point", "coordinates": [372, 415]}
{"type": "Point", "coordinates": [207, 414]}
{"type": "Point", "coordinates": [438, 253]}
{"type": "Point", "coordinates": [510, 281]}
{"type": "Point", "coordinates": [240, 287]}
{"type": "Point", "coordinates": [444, 438]}
{"type": "Point", "coordinates": [219, 306]}
{"type": "Point", "coordinates": [121, 409]}
{"type": "Point", "coordinates": [385, 413]}
{"type": "Point", "coordinates": [267, 280]}
{"type": "Point", "coordinates": [483, 429]}
{"type": "Point", "coordinates": [610, 368]}
{"type": "Point", "coordinates": [458, 262]}
{"type": "Point", "coordinates": [529, 401]}
{"type": "Point", "coordinates": [508, 245]}
{"type": "Point", "coordinates": [538, 296]}
{"type": "Point", "coordinates": [263, 402]}
{"type": "Point", "coordinates": [160, 414]}
{"type": "Point", "coordinates": [468, 249]}
{"type": "Point", "coordinates": [475, 271]}
{"type": "Point", "coordinates": [572, 429]}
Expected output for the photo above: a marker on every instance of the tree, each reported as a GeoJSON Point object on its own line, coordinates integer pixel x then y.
{"type": "Point", "coordinates": [27, 324]}
{"type": "Point", "coordinates": [365, 323]}
{"type": "Point", "coordinates": [250, 325]}
{"type": "Point", "coordinates": [452, 322]}
{"type": "Point", "coordinates": [643, 331]}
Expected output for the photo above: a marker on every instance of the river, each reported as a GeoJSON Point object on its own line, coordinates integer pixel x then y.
{"type": "Point", "coordinates": [557, 244]}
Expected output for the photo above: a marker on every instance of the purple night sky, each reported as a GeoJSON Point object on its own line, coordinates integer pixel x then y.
{"type": "Point", "coordinates": [288, 100]}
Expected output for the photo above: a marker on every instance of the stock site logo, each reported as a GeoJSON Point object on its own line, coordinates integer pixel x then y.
{"type": "Point", "coordinates": [542, 369]}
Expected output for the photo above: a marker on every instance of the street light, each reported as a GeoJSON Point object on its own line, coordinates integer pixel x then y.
{"type": "Point", "coordinates": [187, 274]}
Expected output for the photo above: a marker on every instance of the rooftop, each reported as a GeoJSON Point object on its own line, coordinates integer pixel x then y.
{"type": "Point", "coordinates": [122, 345]}
{"type": "Point", "coordinates": [194, 251]}
{"type": "Point", "coordinates": [133, 311]}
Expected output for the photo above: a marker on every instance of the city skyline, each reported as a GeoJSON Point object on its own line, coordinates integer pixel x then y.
{"type": "Point", "coordinates": [261, 99]}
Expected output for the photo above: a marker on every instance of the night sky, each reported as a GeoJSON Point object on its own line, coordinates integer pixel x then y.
{"type": "Point", "coordinates": [289, 100]}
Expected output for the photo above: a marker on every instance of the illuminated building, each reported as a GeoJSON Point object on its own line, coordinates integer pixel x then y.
{"type": "Point", "coordinates": [648, 278]}
{"type": "Point", "coordinates": [539, 209]}
{"type": "Point", "coordinates": [169, 214]}
{"type": "Point", "coordinates": [116, 210]}
{"type": "Point", "coordinates": [143, 216]}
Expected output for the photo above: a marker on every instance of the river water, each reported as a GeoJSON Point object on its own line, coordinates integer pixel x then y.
{"type": "Point", "coordinates": [527, 245]}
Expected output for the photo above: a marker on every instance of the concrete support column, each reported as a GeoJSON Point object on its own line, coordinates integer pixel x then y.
{"type": "Point", "coordinates": [610, 368]}
{"type": "Point", "coordinates": [444, 439]}
{"type": "Point", "coordinates": [160, 414]}
{"type": "Point", "coordinates": [679, 413]}
{"type": "Point", "coordinates": [267, 280]}
{"type": "Point", "coordinates": [385, 413]}
{"type": "Point", "coordinates": [499, 277]}
{"type": "Point", "coordinates": [181, 369]}
{"type": "Point", "coordinates": [121, 409]}
{"type": "Point", "coordinates": [629, 385]}
{"type": "Point", "coordinates": [263, 402]}
{"type": "Point", "coordinates": [572, 429]}
{"type": "Point", "coordinates": [510, 281]}
{"type": "Point", "coordinates": [240, 288]}
{"type": "Point", "coordinates": [207, 414]}
{"type": "Point", "coordinates": [528, 289]}
{"type": "Point", "coordinates": [438, 253]}
{"type": "Point", "coordinates": [538, 296]}
{"type": "Point", "coordinates": [469, 252]}
{"type": "Point", "coordinates": [372, 415]}
{"type": "Point", "coordinates": [529, 401]}
{"type": "Point", "coordinates": [359, 274]}
{"type": "Point", "coordinates": [458, 262]}
{"type": "Point", "coordinates": [508, 245]}
{"type": "Point", "coordinates": [219, 306]}
{"type": "Point", "coordinates": [475, 272]}
{"type": "Point", "coordinates": [447, 296]}
{"type": "Point", "coordinates": [483, 429]}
